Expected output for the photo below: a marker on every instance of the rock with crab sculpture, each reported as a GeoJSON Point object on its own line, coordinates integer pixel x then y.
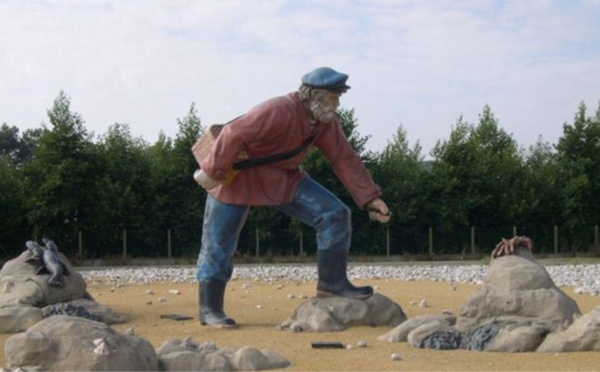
{"type": "Point", "coordinates": [517, 307]}
{"type": "Point", "coordinates": [41, 282]}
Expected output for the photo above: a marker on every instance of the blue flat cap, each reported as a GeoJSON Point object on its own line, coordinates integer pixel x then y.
{"type": "Point", "coordinates": [326, 78]}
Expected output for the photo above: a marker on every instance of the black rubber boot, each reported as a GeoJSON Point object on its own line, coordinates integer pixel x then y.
{"type": "Point", "coordinates": [211, 297]}
{"type": "Point", "coordinates": [332, 265]}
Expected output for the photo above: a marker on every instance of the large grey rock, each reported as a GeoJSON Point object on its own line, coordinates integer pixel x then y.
{"type": "Point", "coordinates": [19, 284]}
{"type": "Point", "coordinates": [65, 343]}
{"type": "Point", "coordinates": [334, 314]}
{"type": "Point", "coordinates": [186, 355]}
{"type": "Point", "coordinates": [518, 286]}
{"type": "Point", "coordinates": [516, 308]}
{"type": "Point", "coordinates": [400, 333]}
{"type": "Point", "coordinates": [18, 318]}
{"type": "Point", "coordinates": [23, 293]}
{"type": "Point", "coordinates": [582, 335]}
{"type": "Point", "coordinates": [518, 337]}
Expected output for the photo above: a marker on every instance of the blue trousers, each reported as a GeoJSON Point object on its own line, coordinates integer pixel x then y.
{"type": "Point", "coordinates": [313, 205]}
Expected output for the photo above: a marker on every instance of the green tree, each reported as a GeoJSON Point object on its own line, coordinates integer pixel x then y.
{"type": "Point", "coordinates": [18, 148]}
{"type": "Point", "coordinates": [14, 232]}
{"type": "Point", "coordinates": [61, 176]}
{"type": "Point", "coordinates": [401, 175]}
{"type": "Point", "coordinates": [478, 171]}
{"type": "Point", "coordinates": [126, 193]}
{"type": "Point", "coordinates": [579, 159]}
{"type": "Point", "coordinates": [178, 200]}
{"type": "Point", "coordinates": [542, 207]}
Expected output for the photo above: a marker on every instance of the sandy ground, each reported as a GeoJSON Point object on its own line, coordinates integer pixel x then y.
{"type": "Point", "coordinates": [260, 308]}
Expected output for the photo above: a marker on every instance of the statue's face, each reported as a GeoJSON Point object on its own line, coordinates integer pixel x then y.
{"type": "Point", "coordinates": [324, 104]}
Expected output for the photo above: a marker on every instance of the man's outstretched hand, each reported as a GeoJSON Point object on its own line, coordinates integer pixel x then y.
{"type": "Point", "coordinates": [507, 246]}
{"type": "Point", "coordinates": [379, 211]}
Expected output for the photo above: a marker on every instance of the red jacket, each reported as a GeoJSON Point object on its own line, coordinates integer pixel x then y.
{"type": "Point", "coordinates": [279, 125]}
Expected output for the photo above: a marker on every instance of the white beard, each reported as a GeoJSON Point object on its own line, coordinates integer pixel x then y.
{"type": "Point", "coordinates": [321, 112]}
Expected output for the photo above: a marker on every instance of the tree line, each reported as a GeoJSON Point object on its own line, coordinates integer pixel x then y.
{"type": "Point", "coordinates": [63, 182]}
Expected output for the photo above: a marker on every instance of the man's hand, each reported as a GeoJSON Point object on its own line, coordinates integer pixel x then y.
{"type": "Point", "coordinates": [379, 211]}
{"type": "Point", "coordinates": [204, 180]}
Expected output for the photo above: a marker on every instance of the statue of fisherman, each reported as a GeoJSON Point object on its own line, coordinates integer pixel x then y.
{"type": "Point", "coordinates": [285, 125]}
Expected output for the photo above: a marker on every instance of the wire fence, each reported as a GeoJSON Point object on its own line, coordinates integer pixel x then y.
{"type": "Point", "coordinates": [431, 242]}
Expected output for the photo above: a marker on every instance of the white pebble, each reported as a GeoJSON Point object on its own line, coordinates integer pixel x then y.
{"type": "Point", "coordinates": [102, 349]}
{"type": "Point", "coordinates": [395, 357]}
{"type": "Point", "coordinates": [174, 291]}
{"type": "Point", "coordinates": [130, 331]}
{"type": "Point", "coordinates": [290, 296]}
{"type": "Point", "coordinates": [423, 303]}
{"type": "Point", "coordinates": [149, 292]}
{"type": "Point", "coordinates": [162, 299]}
{"type": "Point", "coordinates": [413, 303]}
{"type": "Point", "coordinates": [259, 306]}
{"type": "Point", "coordinates": [303, 296]}
{"type": "Point", "coordinates": [245, 286]}
{"type": "Point", "coordinates": [349, 347]}
{"type": "Point", "coordinates": [582, 276]}
{"type": "Point", "coordinates": [447, 312]}
{"type": "Point", "coordinates": [361, 344]}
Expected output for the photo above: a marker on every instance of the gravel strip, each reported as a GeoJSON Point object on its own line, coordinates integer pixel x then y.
{"type": "Point", "coordinates": [584, 277]}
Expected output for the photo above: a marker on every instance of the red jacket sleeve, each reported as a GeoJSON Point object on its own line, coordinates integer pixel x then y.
{"type": "Point", "coordinates": [347, 165]}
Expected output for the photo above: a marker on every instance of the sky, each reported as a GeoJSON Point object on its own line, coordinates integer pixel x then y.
{"type": "Point", "coordinates": [415, 64]}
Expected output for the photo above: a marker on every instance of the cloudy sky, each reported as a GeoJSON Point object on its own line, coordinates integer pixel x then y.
{"type": "Point", "coordinates": [416, 63]}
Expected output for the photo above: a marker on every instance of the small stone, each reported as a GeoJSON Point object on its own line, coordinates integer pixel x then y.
{"type": "Point", "coordinates": [413, 303]}
{"type": "Point", "coordinates": [395, 357]}
{"type": "Point", "coordinates": [130, 331]}
{"type": "Point", "coordinates": [447, 312]}
{"type": "Point", "coordinates": [290, 296]}
{"type": "Point", "coordinates": [162, 299]}
{"type": "Point", "coordinates": [423, 303]}
{"type": "Point", "coordinates": [112, 290]}
{"type": "Point", "coordinates": [280, 286]}
{"type": "Point", "coordinates": [579, 290]}
{"type": "Point", "coordinates": [101, 347]}
{"type": "Point", "coordinates": [349, 347]}
{"type": "Point", "coordinates": [259, 306]}
{"type": "Point", "coordinates": [245, 286]}
{"type": "Point", "coordinates": [303, 296]}
{"type": "Point", "coordinates": [174, 291]}
{"type": "Point", "coordinates": [453, 286]}
{"type": "Point", "coordinates": [376, 287]}
{"type": "Point", "coordinates": [247, 292]}
{"type": "Point", "coordinates": [149, 303]}
{"type": "Point", "coordinates": [149, 292]}
{"type": "Point", "coordinates": [362, 344]}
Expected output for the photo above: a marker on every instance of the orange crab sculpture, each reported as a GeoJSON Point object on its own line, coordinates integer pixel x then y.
{"type": "Point", "coordinates": [507, 246]}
